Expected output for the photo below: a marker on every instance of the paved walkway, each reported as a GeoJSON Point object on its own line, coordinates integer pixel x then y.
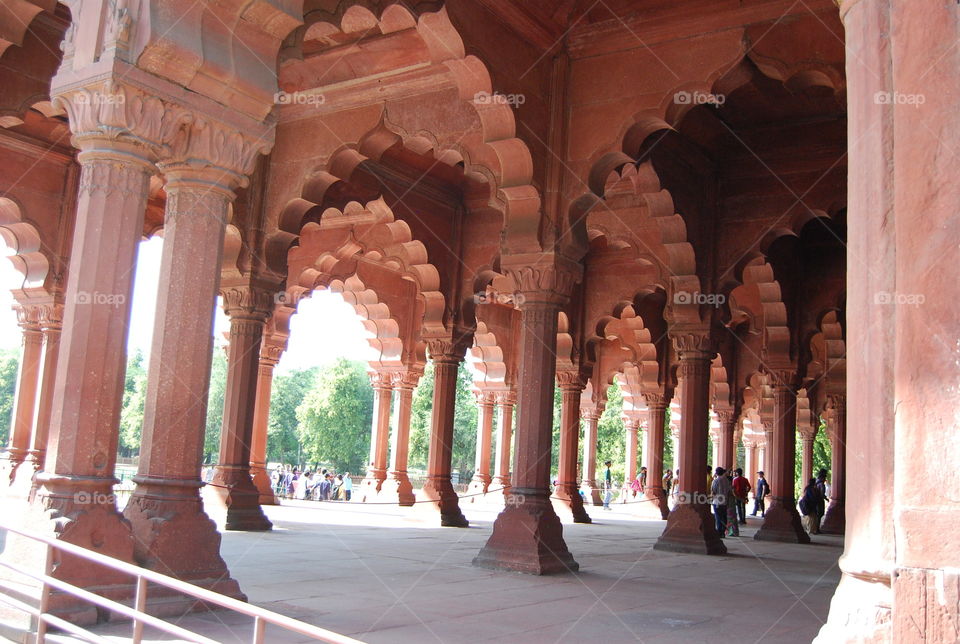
{"type": "Point", "coordinates": [379, 574]}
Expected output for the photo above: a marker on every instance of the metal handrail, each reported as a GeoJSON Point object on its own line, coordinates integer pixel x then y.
{"type": "Point", "coordinates": [138, 613]}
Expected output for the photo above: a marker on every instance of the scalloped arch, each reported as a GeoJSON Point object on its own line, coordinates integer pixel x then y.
{"type": "Point", "coordinates": [23, 244]}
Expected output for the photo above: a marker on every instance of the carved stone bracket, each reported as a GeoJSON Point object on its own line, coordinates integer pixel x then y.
{"type": "Point", "coordinates": [542, 277]}
{"type": "Point", "coordinates": [247, 302]}
{"type": "Point", "coordinates": [571, 381]}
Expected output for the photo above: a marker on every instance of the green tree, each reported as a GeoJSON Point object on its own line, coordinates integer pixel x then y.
{"type": "Point", "coordinates": [466, 417]}
{"type": "Point", "coordinates": [821, 457]}
{"type": "Point", "coordinates": [134, 400]}
{"type": "Point", "coordinates": [421, 406]}
{"type": "Point", "coordinates": [611, 438]}
{"type": "Point", "coordinates": [289, 390]}
{"type": "Point", "coordinates": [335, 417]}
{"type": "Point", "coordinates": [9, 366]}
{"type": "Point", "coordinates": [218, 387]}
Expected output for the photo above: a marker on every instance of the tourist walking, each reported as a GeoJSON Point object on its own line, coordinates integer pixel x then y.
{"type": "Point", "coordinates": [810, 504]}
{"type": "Point", "coordinates": [607, 485]}
{"type": "Point", "coordinates": [759, 494]}
{"type": "Point", "coordinates": [741, 488]}
{"type": "Point", "coordinates": [720, 490]}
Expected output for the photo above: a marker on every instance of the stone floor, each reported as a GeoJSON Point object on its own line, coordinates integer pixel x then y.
{"type": "Point", "coordinates": [381, 574]}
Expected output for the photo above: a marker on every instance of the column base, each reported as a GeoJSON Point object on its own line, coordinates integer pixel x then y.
{"type": "Point", "coordinates": [568, 504]}
{"type": "Point", "coordinates": [369, 488]}
{"type": "Point", "coordinates": [690, 529]}
{"type": "Point", "coordinates": [439, 498]}
{"type": "Point", "coordinates": [835, 519]}
{"type": "Point", "coordinates": [527, 537]}
{"type": "Point", "coordinates": [861, 609]}
{"type": "Point", "coordinates": [82, 512]}
{"type": "Point", "coordinates": [781, 522]}
{"type": "Point", "coordinates": [232, 496]}
{"type": "Point", "coordinates": [477, 489]}
{"type": "Point", "coordinates": [397, 489]}
{"type": "Point", "coordinates": [652, 505]}
{"type": "Point", "coordinates": [592, 492]}
{"type": "Point", "coordinates": [261, 480]}
{"type": "Point", "coordinates": [174, 536]}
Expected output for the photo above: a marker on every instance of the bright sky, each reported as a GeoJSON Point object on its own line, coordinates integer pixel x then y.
{"type": "Point", "coordinates": [324, 329]}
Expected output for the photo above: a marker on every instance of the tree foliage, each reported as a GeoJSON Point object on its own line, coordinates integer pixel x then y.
{"type": "Point", "coordinates": [9, 366]}
{"type": "Point", "coordinates": [134, 401]}
{"type": "Point", "coordinates": [218, 388]}
{"type": "Point", "coordinates": [289, 391]}
{"type": "Point", "coordinates": [464, 423]}
{"type": "Point", "coordinates": [336, 415]}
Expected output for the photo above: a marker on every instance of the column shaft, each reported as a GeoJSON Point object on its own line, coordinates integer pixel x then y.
{"type": "Point", "coordinates": [591, 417]}
{"type": "Point", "coordinates": [782, 521]}
{"type": "Point", "coordinates": [728, 452]}
{"type": "Point", "coordinates": [481, 476]}
{"type": "Point", "coordinates": [51, 325]}
{"type": "Point", "coordinates": [501, 480]}
{"type": "Point", "coordinates": [232, 487]}
{"type": "Point", "coordinates": [566, 495]}
{"type": "Point", "coordinates": [379, 436]}
{"type": "Point", "coordinates": [654, 494]}
{"type": "Point", "coordinates": [397, 487]}
{"type": "Point", "coordinates": [527, 535]}
{"type": "Point", "coordinates": [269, 356]}
{"type": "Point", "coordinates": [631, 427]}
{"type": "Point", "coordinates": [690, 526]}
{"type": "Point", "coordinates": [28, 384]}
{"type": "Point", "coordinates": [438, 487]}
{"type": "Point", "coordinates": [834, 520]}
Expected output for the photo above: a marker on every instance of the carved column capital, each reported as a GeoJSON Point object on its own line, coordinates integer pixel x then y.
{"type": "Point", "coordinates": [28, 316]}
{"type": "Point", "coordinates": [693, 344]}
{"type": "Point", "coordinates": [783, 377]}
{"type": "Point", "coordinates": [382, 379]}
{"type": "Point", "coordinates": [448, 350]}
{"type": "Point", "coordinates": [506, 398]}
{"type": "Point", "coordinates": [408, 378]}
{"type": "Point", "coordinates": [656, 400]}
{"type": "Point", "coordinates": [247, 302]}
{"type": "Point", "coordinates": [541, 278]}
{"type": "Point", "coordinates": [570, 381]}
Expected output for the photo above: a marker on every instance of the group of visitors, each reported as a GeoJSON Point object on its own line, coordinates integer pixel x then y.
{"type": "Point", "coordinates": [290, 483]}
{"type": "Point", "coordinates": [728, 491]}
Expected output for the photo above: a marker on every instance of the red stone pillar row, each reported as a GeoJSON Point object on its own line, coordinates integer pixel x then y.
{"type": "Point", "coordinates": [438, 488]}
{"type": "Point", "coordinates": [74, 501]}
{"type": "Point", "coordinates": [655, 505]}
{"type": "Point", "coordinates": [172, 533]}
{"type": "Point", "coordinates": [690, 526]}
{"type": "Point", "coordinates": [51, 325]}
{"type": "Point", "coordinates": [501, 479]}
{"type": "Point", "coordinates": [807, 436]}
{"type": "Point", "coordinates": [28, 384]}
{"type": "Point", "coordinates": [481, 476]}
{"type": "Point", "coordinates": [527, 535]}
{"type": "Point", "coordinates": [567, 501]}
{"type": "Point", "coordinates": [397, 488]}
{"type": "Point", "coordinates": [590, 413]}
{"type": "Point", "coordinates": [270, 353]}
{"type": "Point", "coordinates": [382, 382]}
{"type": "Point", "coordinates": [631, 426]}
{"type": "Point", "coordinates": [834, 520]}
{"type": "Point", "coordinates": [782, 521]}
{"type": "Point", "coordinates": [232, 489]}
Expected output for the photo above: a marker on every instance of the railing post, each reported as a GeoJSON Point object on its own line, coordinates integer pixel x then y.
{"type": "Point", "coordinates": [45, 597]}
{"type": "Point", "coordinates": [258, 628]}
{"type": "Point", "coordinates": [141, 607]}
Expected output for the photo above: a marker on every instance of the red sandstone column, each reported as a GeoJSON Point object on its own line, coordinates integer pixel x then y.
{"type": "Point", "coordinates": [269, 357]}
{"type": "Point", "coordinates": [527, 535]}
{"type": "Point", "coordinates": [172, 533]}
{"type": "Point", "coordinates": [75, 499]}
{"type": "Point", "coordinates": [750, 461]}
{"type": "Point", "coordinates": [861, 609]}
{"type": "Point", "coordinates": [397, 487]}
{"type": "Point", "coordinates": [728, 452]}
{"type": "Point", "coordinates": [501, 480]}
{"type": "Point", "coordinates": [481, 477]}
{"type": "Point", "coordinates": [655, 504]}
{"type": "Point", "coordinates": [28, 381]}
{"type": "Point", "coordinates": [438, 489]}
{"type": "Point", "coordinates": [51, 325]}
{"type": "Point", "coordinates": [631, 426]}
{"type": "Point", "coordinates": [591, 416]}
{"type": "Point", "coordinates": [379, 436]}
{"type": "Point", "coordinates": [690, 526]}
{"type": "Point", "coordinates": [782, 521]}
{"type": "Point", "coordinates": [807, 435]}
{"type": "Point", "coordinates": [567, 501]}
{"type": "Point", "coordinates": [232, 487]}
{"type": "Point", "coordinates": [834, 520]}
